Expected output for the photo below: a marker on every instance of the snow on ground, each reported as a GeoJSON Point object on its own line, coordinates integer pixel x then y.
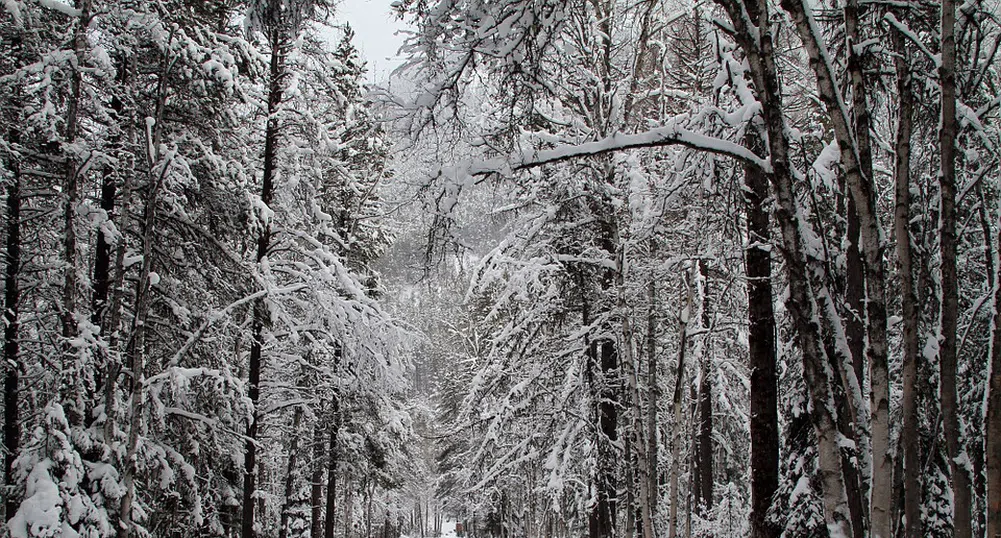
{"type": "Point", "coordinates": [447, 530]}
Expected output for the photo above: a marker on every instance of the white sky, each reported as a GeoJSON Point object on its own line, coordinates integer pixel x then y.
{"type": "Point", "coordinates": [376, 36]}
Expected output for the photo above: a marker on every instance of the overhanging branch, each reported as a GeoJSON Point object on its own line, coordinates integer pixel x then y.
{"type": "Point", "coordinates": [660, 137]}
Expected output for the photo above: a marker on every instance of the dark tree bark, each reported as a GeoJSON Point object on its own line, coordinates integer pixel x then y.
{"type": "Point", "coordinates": [858, 484]}
{"type": "Point", "coordinates": [855, 284]}
{"type": "Point", "coordinates": [276, 76]}
{"type": "Point", "coordinates": [11, 348]}
{"type": "Point", "coordinates": [602, 518]}
{"type": "Point", "coordinates": [70, 184]}
{"type": "Point", "coordinates": [290, 470]}
{"type": "Point", "coordinates": [992, 420]}
{"type": "Point", "coordinates": [316, 482]}
{"type": "Point", "coordinates": [653, 398]}
{"type": "Point", "coordinates": [849, 454]}
{"type": "Point", "coordinates": [854, 292]}
{"type": "Point", "coordinates": [136, 349]}
{"type": "Point", "coordinates": [950, 292]}
{"type": "Point", "coordinates": [102, 254]}
{"type": "Point", "coordinates": [604, 359]}
{"type": "Point", "coordinates": [676, 404]}
{"type": "Point", "coordinates": [761, 349]}
{"type": "Point", "coordinates": [704, 450]}
{"type": "Point", "coordinates": [758, 46]}
{"type": "Point", "coordinates": [107, 369]}
{"type": "Point", "coordinates": [332, 461]}
{"type": "Point", "coordinates": [909, 435]}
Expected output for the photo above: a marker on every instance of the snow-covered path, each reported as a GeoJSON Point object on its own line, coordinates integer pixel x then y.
{"type": "Point", "coordinates": [447, 530]}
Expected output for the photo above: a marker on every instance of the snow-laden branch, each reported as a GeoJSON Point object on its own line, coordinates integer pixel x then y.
{"type": "Point", "coordinates": [211, 422]}
{"type": "Point", "coordinates": [53, 5]}
{"type": "Point", "coordinates": [913, 38]}
{"type": "Point", "coordinates": [670, 135]}
{"type": "Point", "coordinates": [217, 316]}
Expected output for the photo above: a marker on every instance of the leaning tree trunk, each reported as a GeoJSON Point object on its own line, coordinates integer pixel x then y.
{"type": "Point", "coordinates": [962, 523]}
{"type": "Point", "coordinates": [801, 303]}
{"type": "Point", "coordinates": [157, 170]}
{"type": "Point", "coordinates": [909, 434]}
{"type": "Point", "coordinates": [863, 192]}
{"type": "Point", "coordinates": [136, 354]}
{"type": "Point", "coordinates": [875, 484]}
{"type": "Point", "coordinates": [276, 76]}
{"type": "Point", "coordinates": [992, 420]}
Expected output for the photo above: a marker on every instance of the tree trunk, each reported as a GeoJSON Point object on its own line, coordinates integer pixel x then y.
{"type": "Point", "coordinates": [293, 456]}
{"type": "Point", "coordinates": [801, 303]}
{"type": "Point", "coordinates": [71, 382]}
{"type": "Point", "coordinates": [70, 184]}
{"type": "Point", "coordinates": [602, 518]}
{"type": "Point", "coordinates": [863, 193]}
{"type": "Point", "coordinates": [605, 356]}
{"type": "Point", "coordinates": [854, 288]}
{"type": "Point", "coordinates": [977, 450]}
{"type": "Point", "coordinates": [642, 460]}
{"type": "Point", "coordinates": [704, 412]}
{"type": "Point", "coordinates": [909, 434]}
{"type": "Point", "coordinates": [102, 254]}
{"type": "Point", "coordinates": [109, 192]}
{"type": "Point", "coordinates": [850, 453]}
{"type": "Point", "coordinates": [316, 481]}
{"type": "Point", "coordinates": [332, 461]}
{"type": "Point", "coordinates": [877, 514]}
{"type": "Point", "coordinates": [275, 76]}
{"type": "Point", "coordinates": [107, 369]}
{"type": "Point", "coordinates": [631, 471]}
{"type": "Point", "coordinates": [950, 293]}
{"type": "Point", "coordinates": [11, 348]}
{"type": "Point", "coordinates": [112, 322]}
{"type": "Point", "coordinates": [653, 397]}
{"type": "Point", "coordinates": [992, 420]}
{"type": "Point", "coordinates": [368, 507]}
{"type": "Point", "coordinates": [349, 507]}
{"type": "Point", "coordinates": [761, 349]}
{"type": "Point", "coordinates": [135, 351]}
{"type": "Point", "coordinates": [672, 529]}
